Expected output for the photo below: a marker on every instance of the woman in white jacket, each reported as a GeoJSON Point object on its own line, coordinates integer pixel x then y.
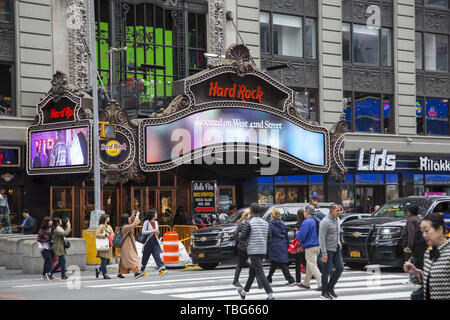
{"type": "Point", "coordinates": [151, 246]}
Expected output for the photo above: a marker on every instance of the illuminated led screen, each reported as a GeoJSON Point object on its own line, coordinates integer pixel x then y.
{"type": "Point", "coordinates": [219, 126]}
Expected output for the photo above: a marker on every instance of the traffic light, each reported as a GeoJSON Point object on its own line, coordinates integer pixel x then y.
{"type": "Point", "coordinates": [107, 131]}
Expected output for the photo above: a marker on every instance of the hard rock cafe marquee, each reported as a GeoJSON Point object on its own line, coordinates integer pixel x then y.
{"type": "Point", "coordinates": [232, 106]}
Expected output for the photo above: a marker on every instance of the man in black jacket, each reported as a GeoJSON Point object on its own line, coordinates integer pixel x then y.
{"type": "Point", "coordinates": [29, 223]}
{"type": "Point", "coordinates": [413, 239]}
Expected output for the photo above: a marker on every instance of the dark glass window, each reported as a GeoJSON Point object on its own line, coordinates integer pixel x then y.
{"type": "Point", "coordinates": [6, 11]}
{"type": "Point", "coordinates": [369, 178]}
{"type": "Point", "coordinates": [197, 42]}
{"type": "Point", "coordinates": [419, 52]}
{"type": "Point", "coordinates": [367, 113]}
{"type": "Point", "coordinates": [297, 179]}
{"type": "Point", "coordinates": [388, 114]}
{"type": "Point", "coordinates": [264, 27]}
{"type": "Point", "coordinates": [436, 52]}
{"type": "Point", "coordinates": [437, 116]}
{"type": "Point", "coordinates": [288, 35]}
{"type": "Point", "coordinates": [316, 178]}
{"type": "Point", "coordinates": [419, 117]}
{"type": "Point", "coordinates": [391, 178]}
{"type": "Point", "coordinates": [437, 179]}
{"type": "Point", "coordinates": [6, 80]}
{"type": "Point", "coordinates": [437, 3]}
{"type": "Point", "coordinates": [280, 179]}
{"type": "Point", "coordinates": [367, 43]}
{"type": "Point", "coordinates": [146, 72]}
{"type": "Point", "coordinates": [306, 103]}
{"type": "Point", "coordinates": [346, 42]}
{"type": "Point", "coordinates": [386, 47]}
{"type": "Point", "coordinates": [348, 109]}
{"type": "Point", "coordinates": [265, 180]}
{"type": "Point", "coordinates": [310, 38]}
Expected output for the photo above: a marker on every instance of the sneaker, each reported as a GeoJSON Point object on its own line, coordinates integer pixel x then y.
{"type": "Point", "coordinates": [326, 296]}
{"type": "Point", "coordinates": [291, 284]}
{"type": "Point", "coordinates": [301, 285]}
{"type": "Point", "coordinates": [49, 276]}
{"type": "Point", "coordinates": [120, 276]}
{"type": "Point", "coordinates": [242, 293]}
{"type": "Point", "coordinates": [106, 277]}
{"type": "Point", "coordinates": [162, 272]}
{"type": "Point", "coordinates": [64, 278]}
{"type": "Point", "coordinates": [138, 274]}
{"type": "Point", "coordinates": [270, 297]}
{"type": "Point", "coordinates": [97, 272]}
{"type": "Point", "coordinates": [332, 293]}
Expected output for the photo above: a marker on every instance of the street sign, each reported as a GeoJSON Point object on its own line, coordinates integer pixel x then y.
{"type": "Point", "coordinates": [204, 196]}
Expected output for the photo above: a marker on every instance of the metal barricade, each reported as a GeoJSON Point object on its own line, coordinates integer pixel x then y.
{"type": "Point", "coordinates": [184, 234]}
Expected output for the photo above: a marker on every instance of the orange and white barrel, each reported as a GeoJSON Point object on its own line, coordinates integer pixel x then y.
{"type": "Point", "coordinates": [171, 254]}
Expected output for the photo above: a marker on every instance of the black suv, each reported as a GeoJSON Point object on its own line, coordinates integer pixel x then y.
{"type": "Point", "coordinates": [213, 245]}
{"type": "Point", "coordinates": [378, 239]}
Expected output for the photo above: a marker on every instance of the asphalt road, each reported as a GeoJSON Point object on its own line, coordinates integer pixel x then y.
{"type": "Point", "coordinates": [195, 284]}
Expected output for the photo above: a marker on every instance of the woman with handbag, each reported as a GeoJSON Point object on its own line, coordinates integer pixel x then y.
{"type": "Point", "coordinates": [435, 276]}
{"type": "Point", "coordinates": [45, 243]}
{"type": "Point", "coordinates": [277, 249]}
{"type": "Point", "coordinates": [103, 236]}
{"type": "Point", "coordinates": [59, 247]}
{"type": "Point", "coordinates": [150, 230]}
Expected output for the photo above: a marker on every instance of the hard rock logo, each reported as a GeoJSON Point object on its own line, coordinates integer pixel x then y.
{"type": "Point", "coordinates": [113, 148]}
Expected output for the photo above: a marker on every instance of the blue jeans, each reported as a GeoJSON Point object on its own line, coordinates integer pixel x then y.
{"type": "Point", "coordinates": [103, 265]}
{"type": "Point", "coordinates": [61, 263]}
{"type": "Point", "coordinates": [152, 247]}
{"type": "Point", "coordinates": [334, 259]}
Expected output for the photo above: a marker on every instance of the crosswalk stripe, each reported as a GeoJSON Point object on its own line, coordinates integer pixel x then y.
{"type": "Point", "coordinates": [347, 283]}
{"type": "Point", "coordinates": [307, 295]}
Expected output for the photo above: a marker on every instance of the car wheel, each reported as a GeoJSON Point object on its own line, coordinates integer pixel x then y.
{"type": "Point", "coordinates": [355, 265]}
{"type": "Point", "coordinates": [208, 266]}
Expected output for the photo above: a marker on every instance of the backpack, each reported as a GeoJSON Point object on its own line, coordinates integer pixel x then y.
{"type": "Point", "coordinates": [118, 239]}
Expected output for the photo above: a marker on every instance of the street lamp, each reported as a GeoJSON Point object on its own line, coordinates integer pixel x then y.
{"type": "Point", "coordinates": [110, 52]}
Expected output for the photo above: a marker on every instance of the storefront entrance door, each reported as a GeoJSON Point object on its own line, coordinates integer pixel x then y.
{"type": "Point", "coordinates": [291, 194]}
{"type": "Point", "coordinates": [368, 197]}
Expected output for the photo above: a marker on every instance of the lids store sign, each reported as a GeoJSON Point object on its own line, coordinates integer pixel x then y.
{"type": "Point", "coordinates": [376, 162]}
{"type": "Point", "coordinates": [427, 164]}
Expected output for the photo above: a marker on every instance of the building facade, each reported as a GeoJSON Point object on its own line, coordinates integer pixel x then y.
{"type": "Point", "coordinates": [383, 65]}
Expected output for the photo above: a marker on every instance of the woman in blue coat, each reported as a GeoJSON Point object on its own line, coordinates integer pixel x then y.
{"type": "Point", "coordinates": [277, 249]}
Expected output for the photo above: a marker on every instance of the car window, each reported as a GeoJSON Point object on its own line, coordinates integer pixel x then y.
{"type": "Point", "coordinates": [397, 208]}
{"type": "Point", "coordinates": [442, 207]}
{"type": "Point", "coordinates": [291, 213]}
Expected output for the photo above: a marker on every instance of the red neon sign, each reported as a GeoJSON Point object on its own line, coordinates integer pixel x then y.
{"type": "Point", "coordinates": [1, 159]}
{"type": "Point", "coordinates": [237, 92]}
{"type": "Point", "coordinates": [64, 113]}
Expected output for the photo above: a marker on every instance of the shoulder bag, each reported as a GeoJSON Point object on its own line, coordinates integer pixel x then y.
{"type": "Point", "coordinates": [102, 244]}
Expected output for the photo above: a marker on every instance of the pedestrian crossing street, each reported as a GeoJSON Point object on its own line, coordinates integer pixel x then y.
{"type": "Point", "coordinates": [216, 285]}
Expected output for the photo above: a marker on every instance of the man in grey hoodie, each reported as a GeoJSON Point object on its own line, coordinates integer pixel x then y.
{"type": "Point", "coordinates": [330, 246]}
{"type": "Point", "coordinates": [257, 232]}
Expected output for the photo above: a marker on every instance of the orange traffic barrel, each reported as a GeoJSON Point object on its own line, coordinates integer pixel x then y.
{"type": "Point", "coordinates": [171, 254]}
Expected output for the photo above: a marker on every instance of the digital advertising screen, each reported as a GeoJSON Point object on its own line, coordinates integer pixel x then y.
{"type": "Point", "coordinates": [59, 148]}
{"type": "Point", "coordinates": [166, 142]}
